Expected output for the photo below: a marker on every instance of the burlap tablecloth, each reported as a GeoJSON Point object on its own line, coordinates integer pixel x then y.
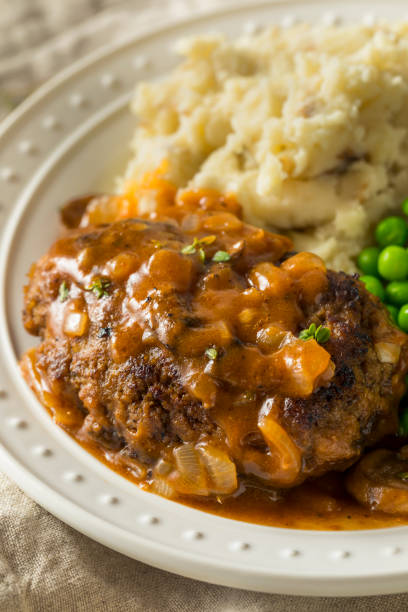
{"type": "Point", "coordinates": [44, 564]}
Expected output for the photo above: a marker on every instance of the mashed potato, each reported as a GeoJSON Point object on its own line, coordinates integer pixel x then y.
{"type": "Point", "coordinates": [308, 126]}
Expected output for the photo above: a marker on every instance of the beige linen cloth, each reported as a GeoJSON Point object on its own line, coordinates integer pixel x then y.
{"type": "Point", "coordinates": [44, 564]}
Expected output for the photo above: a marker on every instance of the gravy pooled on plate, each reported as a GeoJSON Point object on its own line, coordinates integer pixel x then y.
{"type": "Point", "coordinates": [201, 356]}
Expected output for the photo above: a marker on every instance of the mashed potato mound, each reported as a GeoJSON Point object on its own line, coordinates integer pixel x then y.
{"type": "Point", "coordinates": [308, 126]}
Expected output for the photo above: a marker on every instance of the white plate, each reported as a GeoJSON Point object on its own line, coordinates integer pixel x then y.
{"type": "Point", "coordinates": [70, 138]}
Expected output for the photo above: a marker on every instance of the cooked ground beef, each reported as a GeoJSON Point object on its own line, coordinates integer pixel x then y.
{"type": "Point", "coordinates": [149, 340]}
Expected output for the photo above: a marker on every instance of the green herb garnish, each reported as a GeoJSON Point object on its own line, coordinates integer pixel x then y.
{"type": "Point", "coordinates": [63, 291]}
{"type": "Point", "coordinates": [403, 475]}
{"type": "Point", "coordinates": [190, 248]}
{"type": "Point", "coordinates": [211, 353]}
{"type": "Point", "coordinates": [221, 256]}
{"type": "Point", "coordinates": [196, 246]}
{"type": "Point", "coordinates": [99, 287]}
{"type": "Point", "coordinates": [320, 334]}
{"type": "Point", "coordinates": [307, 334]}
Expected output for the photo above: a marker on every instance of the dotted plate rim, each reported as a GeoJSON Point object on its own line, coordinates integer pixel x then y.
{"type": "Point", "coordinates": [66, 481]}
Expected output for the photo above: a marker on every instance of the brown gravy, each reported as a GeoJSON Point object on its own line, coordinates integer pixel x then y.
{"type": "Point", "coordinates": [322, 506]}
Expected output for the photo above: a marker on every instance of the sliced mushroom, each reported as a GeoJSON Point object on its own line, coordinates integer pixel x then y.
{"type": "Point", "coordinates": [380, 481]}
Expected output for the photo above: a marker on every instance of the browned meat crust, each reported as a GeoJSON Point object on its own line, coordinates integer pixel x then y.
{"type": "Point", "coordinates": [358, 407]}
{"type": "Point", "coordinates": [140, 405]}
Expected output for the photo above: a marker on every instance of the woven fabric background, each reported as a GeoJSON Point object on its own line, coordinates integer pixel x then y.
{"type": "Point", "coordinates": [44, 564]}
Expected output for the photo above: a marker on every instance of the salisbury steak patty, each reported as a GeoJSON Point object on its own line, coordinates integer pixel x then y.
{"type": "Point", "coordinates": [358, 406]}
{"type": "Point", "coordinates": [178, 353]}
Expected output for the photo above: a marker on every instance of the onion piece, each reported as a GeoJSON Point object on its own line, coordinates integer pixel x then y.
{"type": "Point", "coordinates": [249, 315]}
{"type": "Point", "coordinates": [188, 463]}
{"type": "Point", "coordinates": [221, 469]}
{"type": "Point", "coordinates": [162, 487]}
{"type": "Point", "coordinates": [76, 323]}
{"type": "Point", "coordinates": [271, 337]}
{"type": "Point", "coordinates": [271, 279]}
{"type": "Point", "coordinates": [163, 467]}
{"type": "Point", "coordinates": [188, 487]}
{"type": "Point", "coordinates": [189, 478]}
{"type": "Point", "coordinates": [287, 464]}
{"type": "Point", "coordinates": [387, 352]}
{"type": "Point", "coordinates": [299, 365]}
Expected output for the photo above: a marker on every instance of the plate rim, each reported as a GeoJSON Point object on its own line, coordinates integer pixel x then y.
{"type": "Point", "coordinates": [28, 481]}
{"type": "Point", "coordinates": [108, 49]}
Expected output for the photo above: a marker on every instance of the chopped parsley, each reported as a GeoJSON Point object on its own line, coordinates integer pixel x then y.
{"type": "Point", "coordinates": [221, 256]}
{"type": "Point", "coordinates": [190, 248]}
{"type": "Point", "coordinates": [196, 246]}
{"type": "Point", "coordinates": [211, 353]}
{"type": "Point", "coordinates": [63, 291]}
{"type": "Point", "coordinates": [99, 287]}
{"type": "Point", "coordinates": [320, 334]}
{"type": "Point", "coordinates": [403, 476]}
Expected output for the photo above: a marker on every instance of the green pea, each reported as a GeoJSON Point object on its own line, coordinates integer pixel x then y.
{"type": "Point", "coordinates": [391, 230]}
{"type": "Point", "coordinates": [368, 259]}
{"type": "Point", "coordinates": [403, 318]}
{"type": "Point", "coordinates": [393, 263]}
{"type": "Point", "coordinates": [374, 286]}
{"type": "Point", "coordinates": [393, 310]}
{"type": "Point", "coordinates": [404, 207]}
{"type": "Point", "coordinates": [396, 293]}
